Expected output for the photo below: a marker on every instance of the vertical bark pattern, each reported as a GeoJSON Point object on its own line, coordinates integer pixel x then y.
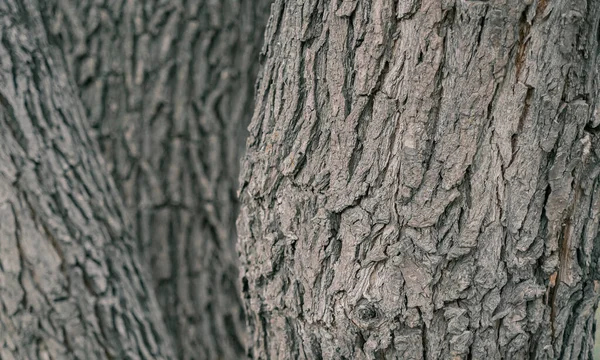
{"type": "Point", "coordinates": [71, 286]}
{"type": "Point", "coordinates": [168, 86]}
{"type": "Point", "coordinates": [422, 181]}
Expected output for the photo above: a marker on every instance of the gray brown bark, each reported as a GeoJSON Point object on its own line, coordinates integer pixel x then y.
{"type": "Point", "coordinates": [168, 87]}
{"type": "Point", "coordinates": [71, 285]}
{"type": "Point", "coordinates": [422, 181]}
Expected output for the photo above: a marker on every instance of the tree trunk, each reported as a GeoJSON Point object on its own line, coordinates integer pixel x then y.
{"type": "Point", "coordinates": [422, 181]}
{"type": "Point", "coordinates": [71, 285]}
{"type": "Point", "coordinates": [168, 86]}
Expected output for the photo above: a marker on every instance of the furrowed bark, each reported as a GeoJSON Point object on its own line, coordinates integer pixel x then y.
{"type": "Point", "coordinates": [168, 87]}
{"type": "Point", "coordinates": [422, 181]}
{"type": "Point", "coordinates": [71, 285]}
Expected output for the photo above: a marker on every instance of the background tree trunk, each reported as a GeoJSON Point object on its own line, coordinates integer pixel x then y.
{"type": "Point", "coordinates": [422, 181]}
{"type": "Point", "coordinates": [71, 286]}
{"type": "Point", "coordinates": [168, 86]}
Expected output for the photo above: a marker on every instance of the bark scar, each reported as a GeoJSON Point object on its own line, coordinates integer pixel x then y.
{"type": "Point", "coordinates": [563, 259]}
{"type": "Point", "coordinates": [524, 29]}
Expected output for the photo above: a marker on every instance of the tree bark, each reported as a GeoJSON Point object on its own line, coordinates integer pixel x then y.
{"type": "Point", "coordinates": [169, 86]}
{"type": "Point", "coordinates": [71, 285]}
{"type": "Point", "coordinates": [422, 181]}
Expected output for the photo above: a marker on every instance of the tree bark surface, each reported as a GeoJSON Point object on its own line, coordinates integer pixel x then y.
{"type": "Point", "coordinates": [71, 285]}
{"type": "Point", "coordinates": [422, 181]}
{"type": "Point", "coordinates": [168, 87]}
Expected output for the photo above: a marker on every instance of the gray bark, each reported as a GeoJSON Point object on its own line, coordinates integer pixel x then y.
{"type": "Point", "coordinates": [71, 285]}
{"type": "Point", "coordinates": [422, 181]}
{"type": "Point", "coordinates": [168, 87]}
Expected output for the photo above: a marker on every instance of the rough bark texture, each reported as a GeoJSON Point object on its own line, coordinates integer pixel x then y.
{"type": "Point", "coordinates": [71, 286]}
{"type": "Point", "coordinates": [168, 86]}
{"type": "Point", "coordinates": [422, 181]}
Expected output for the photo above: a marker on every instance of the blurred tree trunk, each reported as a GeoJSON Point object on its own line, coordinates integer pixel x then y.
{"type": "Point", "coordinates": [71, 285]}
{"type": "Point", "coordinates": [168, 86]}
{"type": "Point", "coordinates": [422, 181]}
